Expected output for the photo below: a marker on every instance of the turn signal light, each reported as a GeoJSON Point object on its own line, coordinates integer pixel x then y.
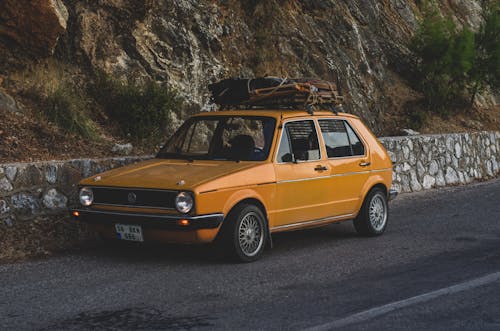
{"type": "Point", "coordinates": [183, 222]}
{"type": "Point", "coordinates": [76, 213]}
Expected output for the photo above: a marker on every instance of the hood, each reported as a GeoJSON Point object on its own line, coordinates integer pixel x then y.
{"type": "Point", "coordinates": [167, 174]}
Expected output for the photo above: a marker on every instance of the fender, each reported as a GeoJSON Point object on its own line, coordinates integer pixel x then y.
{"type": "Point", "coordinates": [241, 195]}
{"type": "Point", "coordinates": [246, 194]}
{"type": "Point", "coordinates": [374, 179]}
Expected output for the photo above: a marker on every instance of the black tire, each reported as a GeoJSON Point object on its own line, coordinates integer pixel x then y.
{"type": "Point", "coordinates": [244, 234]}
{"type": "Point", "coordinates": [374, 214]}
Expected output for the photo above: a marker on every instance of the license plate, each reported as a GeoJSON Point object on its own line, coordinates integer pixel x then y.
{"type": "Point", "coordinates": [129, 232]}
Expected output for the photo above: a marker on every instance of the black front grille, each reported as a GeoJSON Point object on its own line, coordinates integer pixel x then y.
{"type": "Point", "coordinates": [134, 197]}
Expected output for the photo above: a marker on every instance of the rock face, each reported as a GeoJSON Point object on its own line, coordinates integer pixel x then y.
{"type": "Point", "coordinates": [34, 25]}
{"type": "Point", "coordinates": [190, 43]}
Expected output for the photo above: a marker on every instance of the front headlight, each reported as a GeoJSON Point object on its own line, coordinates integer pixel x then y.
{"type": "Point", "coordinates": [183, 202]}
{"type": "Point", "coordinates": [86, 196]}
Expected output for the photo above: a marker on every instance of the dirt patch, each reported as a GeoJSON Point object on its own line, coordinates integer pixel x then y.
{"type": "Point", "coordinates": [25, 138]}
{"type": "Point", "coordinates": [41, 237]}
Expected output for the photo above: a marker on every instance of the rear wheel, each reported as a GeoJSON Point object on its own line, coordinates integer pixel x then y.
{"type": "Point", "coordinates": [374, 214]}
{"type": "Point", "coordinates": [245, 233]}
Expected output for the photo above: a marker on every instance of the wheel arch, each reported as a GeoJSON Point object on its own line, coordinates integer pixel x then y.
{"type": "Point", "coordinates": [251, 201]}
{"type": "Point", "coordinates": [377, 183]}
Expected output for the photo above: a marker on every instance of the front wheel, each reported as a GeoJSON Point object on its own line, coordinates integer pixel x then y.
{"type": "Point", "coordinates": [374, 214]}
{"type": "Point", "coordinates": [246, 233]}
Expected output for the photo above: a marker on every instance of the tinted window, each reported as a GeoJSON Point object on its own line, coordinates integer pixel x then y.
{"type": "Point", "coordinates": [340, 139]}
{"type": "Point", "coordinates": [245, 138]}
{"type": "Point", "coordinates": [303, 139]}
{"type": "Point", "coordinates": [335, 138]}
{"type": "Point", "coordinates": [356, 144]}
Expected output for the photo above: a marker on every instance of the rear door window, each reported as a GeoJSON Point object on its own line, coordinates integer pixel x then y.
{"type": "Point", "coordinates": [340, 139]}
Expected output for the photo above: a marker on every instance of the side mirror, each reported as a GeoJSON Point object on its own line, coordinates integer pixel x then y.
{"type": "Point", "coordinates": [288, 157]}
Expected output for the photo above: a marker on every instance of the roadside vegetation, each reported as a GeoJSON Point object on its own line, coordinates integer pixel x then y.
{"type": "Point", "coordinates": [93, 108]}
{"type": "Point", "coordinates": [143, 112]}
{"type": "Point", "coordinates": [453, 64]}
{"type": "Point", "coordinates": [69, 110]}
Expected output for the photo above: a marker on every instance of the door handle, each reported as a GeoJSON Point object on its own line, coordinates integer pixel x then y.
{"type": "Point", "coordinates": [320, 168]}
{"type": "Point", "coordinates": [364, 164]}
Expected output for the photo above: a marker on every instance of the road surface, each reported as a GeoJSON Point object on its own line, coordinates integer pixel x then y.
{"type": "Point", "coordinates": [437, 267]}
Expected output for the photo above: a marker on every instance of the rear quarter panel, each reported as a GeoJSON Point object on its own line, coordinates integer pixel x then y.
{"type": "Point", "coordinates": [381, 164]}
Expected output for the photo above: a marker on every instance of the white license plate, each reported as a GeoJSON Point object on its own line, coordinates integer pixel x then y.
{"type": "Point", "coordinates": [129, 232]}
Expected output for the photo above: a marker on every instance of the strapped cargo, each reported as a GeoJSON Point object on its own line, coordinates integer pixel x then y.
{"type": "Point", "coordinates": [275, 92]}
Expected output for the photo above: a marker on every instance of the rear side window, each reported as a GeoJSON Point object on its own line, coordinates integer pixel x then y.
{"type": "Point", "coordinates": [300, 139]}
{"type": "Point", "coordinates": [356, 144]}
{"type": "Point", "coordinates": [340, 139]}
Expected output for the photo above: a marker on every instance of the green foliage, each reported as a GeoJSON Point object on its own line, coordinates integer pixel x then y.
{"type": "Point", "coordinates": [445, 56]}
{"type": "Point", "coordinates": [486, 69]}
{"type": "Point", "coordinates": [142, 111]}
{"type": "Point", "coordinates": [453, 63]}
{"type": "Point", "coordinates": [68, 110]}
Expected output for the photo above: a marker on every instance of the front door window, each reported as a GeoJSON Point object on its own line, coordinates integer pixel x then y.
{"type": "Point", "coordinates": [299, 142]}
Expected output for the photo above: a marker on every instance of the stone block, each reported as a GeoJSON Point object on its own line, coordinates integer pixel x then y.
{"type": "Point", "coordinates": [28, 176]}
{"type": "Point", "coordinates": [4, 208]}
{"type": "Point", "coordinates": [458, 150]}
{"type": "Point", "coordinates": [433, 168]}
{"type": "Point", "coordinates": [54, 200]}
{"type": "Point", "coordinates": [451, 176]}
{"type": "Point", "coordinates": [414, 183]}
{"type": "Point", "coordinates": [11, 172]}
{"type": "Point", "coordinates": [5, 185]}
{"type": "Point", "coordinates": [51, 174]}
{"type": "Point", "coordinates": [25, 204]}
{"type": "Point", "coordinates": [428, 182]}
{"type": "Point", "coordinates": [68, 178]}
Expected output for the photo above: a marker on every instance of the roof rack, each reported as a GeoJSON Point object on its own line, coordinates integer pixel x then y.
{"type": "Point", "coordinates": [275, 92]}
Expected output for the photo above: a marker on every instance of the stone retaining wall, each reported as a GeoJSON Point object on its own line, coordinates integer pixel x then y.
{"type": "Point", "coordinates": [34, 196]}
{"type": "Point", "coordinates": [426, 161]}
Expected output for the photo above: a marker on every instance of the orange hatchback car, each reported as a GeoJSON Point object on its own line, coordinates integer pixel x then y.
{"type": "Point", "coordinates": [238, 176]}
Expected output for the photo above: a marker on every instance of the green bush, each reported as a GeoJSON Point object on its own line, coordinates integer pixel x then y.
{"type": "Point", "coordinates": [453, 63]}
{"type": "Point", "coordinates": [444, 58]}
{"type": "Point", "coordinates": [69, 111]}
{"type": "Point", "coordinates": [142, 111]}
{"type": "Point", "coordinates": [486, 69]}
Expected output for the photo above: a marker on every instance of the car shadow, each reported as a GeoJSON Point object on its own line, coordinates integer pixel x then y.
{"type": "Point", "coordinates": [152, 252]}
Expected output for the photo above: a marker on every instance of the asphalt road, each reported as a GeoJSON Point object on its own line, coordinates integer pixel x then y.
{"type": "Point", "coordinates": [437, 267]}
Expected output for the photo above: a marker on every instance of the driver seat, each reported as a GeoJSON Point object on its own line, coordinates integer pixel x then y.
{"type": "Point", "coordinates": [242, 147]}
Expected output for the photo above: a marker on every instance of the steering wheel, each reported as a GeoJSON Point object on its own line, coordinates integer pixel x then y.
{"type": "Point", "coordinates": [258, 150]}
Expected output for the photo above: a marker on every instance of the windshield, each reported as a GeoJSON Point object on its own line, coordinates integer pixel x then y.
{"type": "Point", "coordinates": [239, 138]}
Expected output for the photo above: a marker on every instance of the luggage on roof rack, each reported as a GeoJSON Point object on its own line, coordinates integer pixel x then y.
{"type": "Point", "coordinates": [275, 92]}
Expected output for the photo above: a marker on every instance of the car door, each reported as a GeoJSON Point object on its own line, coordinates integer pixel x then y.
{"type": "Point", "coordinates": [348, 164]}
{"type": "Point", "coordinates": [301, 175]}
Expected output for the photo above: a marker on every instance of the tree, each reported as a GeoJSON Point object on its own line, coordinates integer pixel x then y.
{"type": "Point", "coordinates": [444, 58]}
{"type": "Point", "coordinates": [486, 68]}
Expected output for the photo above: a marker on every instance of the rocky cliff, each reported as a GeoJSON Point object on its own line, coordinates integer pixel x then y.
{"type": "Point", "coordinates": [190, 43]}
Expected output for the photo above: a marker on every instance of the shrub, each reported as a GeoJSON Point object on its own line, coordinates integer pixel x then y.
{"type": "Point", "coordinates": [486, 69]}
{"type": "Point", "coordinates": [451, 62]}
{"type": "Point", "coordinates": [444, 58]}
{"type": "Point", "coordinates": [68, 110]}
{"type": "Point", "coordinates": [142, 111]}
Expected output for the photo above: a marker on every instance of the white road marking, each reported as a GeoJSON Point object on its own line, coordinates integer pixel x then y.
{"type": "Point", "coordinates": [381, 310]}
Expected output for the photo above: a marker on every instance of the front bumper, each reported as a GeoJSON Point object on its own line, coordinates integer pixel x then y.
{"type": "Point", "coordinates": [148, 221]}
